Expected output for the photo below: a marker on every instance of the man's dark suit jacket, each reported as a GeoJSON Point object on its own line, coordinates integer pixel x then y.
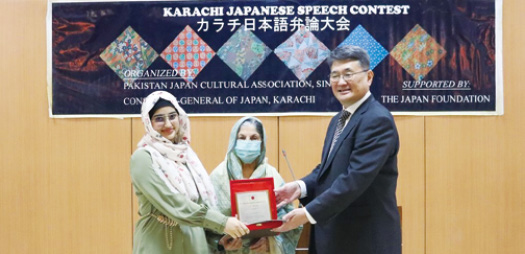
{"type": "Point", "coordinates": [351, 194]}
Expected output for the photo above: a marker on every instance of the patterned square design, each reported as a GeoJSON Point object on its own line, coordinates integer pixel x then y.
{"type": "Point", "coordinates": [127, 54]}
{"type": "Point", "coordinates": [302, 53]}
{"type": "Point", "coordinates": [361, 38]}
{"type": "Point", "coordinates": [418, 52]}
{"type": "Point", "coordinates": [244, 52]}
{"type": "Point", "coordinates": [188, 54]}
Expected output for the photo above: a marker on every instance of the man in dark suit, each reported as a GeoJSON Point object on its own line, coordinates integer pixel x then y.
{"type": "Point", "coordinates": [350, 196]}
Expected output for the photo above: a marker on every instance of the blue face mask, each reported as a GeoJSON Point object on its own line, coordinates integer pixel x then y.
{"type": "Point", "coordinates": [248, 151]}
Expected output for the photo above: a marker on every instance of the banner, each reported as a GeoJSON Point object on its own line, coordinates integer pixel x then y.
{"type": "Point", "coordinates": [268, 57]}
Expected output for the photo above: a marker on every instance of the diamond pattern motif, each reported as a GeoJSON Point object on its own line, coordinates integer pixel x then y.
{"type": "Point", "coordinates": [302, 53]}
{"type": "Point", "coordinates": [128, 53]}
{"type": "Point", "coordinates": [244, 52]}
{"type": "Point", "coordinates": [188, 54]}
{"type": "Point", "coordinates": [418, 52]}
{"type": "Point", "coordinates": [360, 37]}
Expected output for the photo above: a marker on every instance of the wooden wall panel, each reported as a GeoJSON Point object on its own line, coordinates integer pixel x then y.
{"type": "Point", "coordinates": [137, 131]}
{"type": "Point", "coordinates": [88, 207]}
{"type": "Point", "coordinates": [302, 137]}
{"type": "Point", "coordinates": [475, 166]}
{"type": "Point", "coordinates": [475, 195]}
{"type": "Point", "coordinates": [64, 184]}
{"type": "Point", "coordinates": [411, 182]}
{"type": "Point", "coordinates": [24, 164]}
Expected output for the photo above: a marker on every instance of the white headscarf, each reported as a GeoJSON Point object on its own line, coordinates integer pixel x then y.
{"type": "Point", "coordinates": [176, 163]}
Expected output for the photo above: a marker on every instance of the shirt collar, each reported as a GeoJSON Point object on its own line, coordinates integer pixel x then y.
{"type": "Point", "coordinates": [352, 108]}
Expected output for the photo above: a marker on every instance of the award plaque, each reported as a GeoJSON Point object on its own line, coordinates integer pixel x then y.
{"type": "Point", "coordinates": [253, 200]}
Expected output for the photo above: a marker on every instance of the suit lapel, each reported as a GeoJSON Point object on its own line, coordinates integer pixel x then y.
{"type": "Point", "coordinates": [354, 119]}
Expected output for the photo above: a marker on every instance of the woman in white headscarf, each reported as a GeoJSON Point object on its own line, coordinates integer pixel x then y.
{"type": "Point", "coordinates": [246, 159]}
{"type": "Point", "coordinates": [174, 191]}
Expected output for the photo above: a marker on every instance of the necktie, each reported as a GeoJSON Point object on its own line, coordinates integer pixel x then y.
{"type": "Point", "coordinates": [340, 125]}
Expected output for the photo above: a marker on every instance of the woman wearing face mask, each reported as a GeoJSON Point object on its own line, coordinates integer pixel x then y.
{"type": "Point", "coordinates": [245, 159]}
{"type": "Point", "coordinates": [173, 188]}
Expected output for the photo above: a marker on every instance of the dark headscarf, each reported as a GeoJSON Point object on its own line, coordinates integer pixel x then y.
{"type": "Point", "coordinates": [160, 104]}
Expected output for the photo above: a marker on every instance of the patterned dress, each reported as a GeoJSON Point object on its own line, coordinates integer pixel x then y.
{"type": "Point", "coordinates": [170, 222]}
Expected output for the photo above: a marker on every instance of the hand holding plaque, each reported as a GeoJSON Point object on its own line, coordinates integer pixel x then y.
{"type": "Point", "coordinates": [253, 201]}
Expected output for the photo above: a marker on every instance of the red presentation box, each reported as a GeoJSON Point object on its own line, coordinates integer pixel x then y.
{"type": "Point", "coordinates": [254, 201]}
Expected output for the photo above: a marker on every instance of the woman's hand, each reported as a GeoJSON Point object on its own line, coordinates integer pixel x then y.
{"type": "Point", "coordinates": [229, 243]}
{"type": "Point", "coordinates": [235, 228]}
{"type": "Point", "coordinates": [261, 245]}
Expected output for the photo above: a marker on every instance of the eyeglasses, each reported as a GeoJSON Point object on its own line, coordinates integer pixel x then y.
{"type": "Point", "coordinates": [335, 77]}
{"type": "Point", "coordinates": [161, 119]}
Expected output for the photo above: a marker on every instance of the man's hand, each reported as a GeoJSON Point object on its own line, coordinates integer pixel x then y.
{"type": "Point", "coordinates": [229, 243]}
{"type": "Point", "coordinates": [287, 194]}
{"type": "Point", "coordinates": [292, 220]}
